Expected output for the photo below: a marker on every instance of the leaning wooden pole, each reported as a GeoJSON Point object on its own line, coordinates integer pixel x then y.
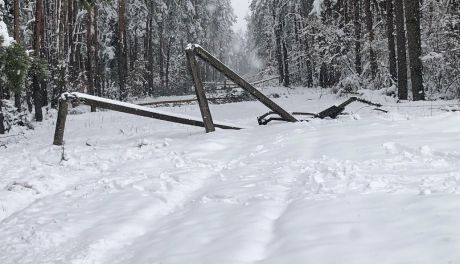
{"type": "Point", "coordinates": [122, 107]}
{"type": "Point", "coordinates": [60, 122]}
{"type": "Point", "coordinates": [200, 94]}
{"type": "Point", "coordinates": [218, 65]}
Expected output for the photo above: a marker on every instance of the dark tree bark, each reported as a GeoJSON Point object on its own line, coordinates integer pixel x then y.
{"type": "Point", "coordinates": [412, 11]}
{"type": "Point", "coordinates": [2, 125]}
{"type": "Point", "coordinates": [98, 74]}
{"type": "Point", "coordinates": [121, 46]}
{"type": "Point", "coordinates": [401, 48]}
{"type": "Point", "coordinates": [16, 21]}
{"type": "Point", "coordinates": [17, 95]}
{"type": "Point", "coordinates": [161, 50]}
{"type": "Point", "coordinates": [287, 80]}
{"type": "Point", "coordinates": [277, 31]}
{"type": "Point", "coordinates": [357, 26]}
{"type": "Point", "coordinates": [149, 55]}
{"type": "Point", "coordinates": [168, 61]}
{"type": "Point", "coordinates": [69, 45]}
{"type": "Point", "coordinates": [370, 32]}
{"type": "Point", "coordinates": [36, 87]}
{"type": "Point", "coordinates": [391, 40]}
{"type": "Point", "coordinates": [90, 54]}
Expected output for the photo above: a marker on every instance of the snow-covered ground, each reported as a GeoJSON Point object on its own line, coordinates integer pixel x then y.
{"type": "Point", "coordinates": [369, 187]}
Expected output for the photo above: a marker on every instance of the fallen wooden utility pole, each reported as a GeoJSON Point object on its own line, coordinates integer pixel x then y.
{"type": "Point", "coordinates": [193, 50]}
{"type": "Point", "coordinates": [234, 84]}
{"type": "Point", "coordinates": [331, 112]}
{"type": "Point", "coordinates": [216, 100]}
{"type": "Point", "coordinates": [118, 106]}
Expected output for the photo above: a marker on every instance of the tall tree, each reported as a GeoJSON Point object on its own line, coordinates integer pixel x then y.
{"type": "Point", "coordinates": [17, 94]}
{"type": "Point", "coordinates": [90, 54]}
{"type": "Point", "coordinates": [391, 40]}
{"type": "Point", "coordinates": [412, 11]}
{"type": "Point", "coordinates": [16, 13]}
{"type": "Point", "coordinates": [36, 79]}
{"type": "Point", "coordinates": [2, 118]}
{"type": "Point", "coordinates": [401, 48]}
{"type": "Point", "coordinates": [370, 35]}
{"type": "Point", "coordinates": [357, 25]}
{"type": "Point", "coordinates": [285, 57]}
{"type": "Point", "coordinates": [278, 31]}
{"type": "Point", "coordinates": [121, 48]}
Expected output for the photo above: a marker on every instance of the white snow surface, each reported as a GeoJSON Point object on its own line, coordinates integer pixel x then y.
{"type": "Point", "coordinates": [366, 188]}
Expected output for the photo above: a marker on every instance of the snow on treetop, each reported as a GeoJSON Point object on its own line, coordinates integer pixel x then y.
{"type": "Point", "coordinates": [191, 46]}
{"type": "Point", "coordinates": [5, 38]}
{"type": "Point", "coordinates": [317, 8]}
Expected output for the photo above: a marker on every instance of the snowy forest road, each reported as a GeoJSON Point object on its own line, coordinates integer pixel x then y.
{"type": "Point", "coordinates": [368, 187]}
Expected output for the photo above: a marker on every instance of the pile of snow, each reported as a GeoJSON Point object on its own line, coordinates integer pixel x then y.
{"type": "Point", "coordinates": [382, 188]}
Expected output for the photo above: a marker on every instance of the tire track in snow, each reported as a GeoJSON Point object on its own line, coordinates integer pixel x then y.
{"type": "Point", "coordinates": [166, 191]}
{"type": "Point", "coordinates": [126, 232]}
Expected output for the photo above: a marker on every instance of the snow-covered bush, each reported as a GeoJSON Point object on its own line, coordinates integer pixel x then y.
{"type": "Point", "coordinates": [13, 117]}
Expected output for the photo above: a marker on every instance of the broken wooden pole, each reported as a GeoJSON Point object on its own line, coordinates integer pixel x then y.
{"type": "Point", "coordinates": [200, 94]}
{"type": "Point", "coordinates": [124, 108]}
{"type": "Point", "coordinates": [218, 65]}
{"type": "Point", "coordinates": [60, 122]}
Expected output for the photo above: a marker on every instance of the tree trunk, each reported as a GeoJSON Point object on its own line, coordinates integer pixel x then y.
{"type": "Point", "coordinates": [277, 31]}
{"type": "Point", "coordinates": [160, 51]}
{"type": "Point", "coordinates": [16, 21]}
{"type": "Point", "coordinates": [17, 95]}
{"type": "Point", "coordinates": [17, 101]}
{"type": "Point", "coordinates": [168, 61]}
{"type": "Point", "coordinates": [401, 48]}
{"type": "Point", "coordinates": [391, 40]}
{"type": "Point", "coordinates": [122, 60]}
{"type": "Point", "coordinates": [98, 74]}
{"type": "Point", "coordinates": [287, 80]}
{"type": "Point", "coordinates": [2, 118]}
{"type": "Point", "coordinates": [412, 11]}
{"type": "Point", "coordinates": [357, 26]}
{"type": "Point", "coordinates": [37, 93]}
{"type": "Point", "coordinates": [370, 32]}
{"type": "Point", "coordinates": [150, 59]}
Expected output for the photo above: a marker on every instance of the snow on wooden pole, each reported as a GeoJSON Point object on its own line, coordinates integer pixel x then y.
{"type": "Point", "coordinates": [199, 90]}
{"type": "Point", "coordinates": [218, 65]}
{"type": "Point", "coordinates": [60, 122]}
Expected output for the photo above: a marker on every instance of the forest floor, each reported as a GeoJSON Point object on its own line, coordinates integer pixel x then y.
{"type": "Point", "coordinates": [369, 187]}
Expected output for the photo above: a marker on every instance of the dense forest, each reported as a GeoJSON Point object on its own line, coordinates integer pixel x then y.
{"type": "Point", "coordinates": [133, 48]}
{"type": "Point", "coordinates": [409, 47]}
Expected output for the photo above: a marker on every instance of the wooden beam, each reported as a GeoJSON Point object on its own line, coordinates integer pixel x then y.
{"type": "Point", "coordinates": [218, 65]}
{"type": "Point", "coordinates": [60, 123]}
{"type": "Point", "coordinates": [148, 112]}
{"type": "Point", "coordinates": [127, 108]}
{"type": "Point", "coordinates": [200, 94]}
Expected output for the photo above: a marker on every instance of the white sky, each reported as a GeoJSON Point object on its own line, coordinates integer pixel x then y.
{"type": "Point", "coordinates": [241, 8]}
